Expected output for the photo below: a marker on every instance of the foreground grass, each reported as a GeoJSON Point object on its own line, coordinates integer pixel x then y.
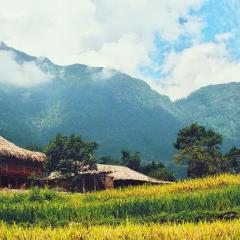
{"type": "Point", "coordinates": [201, 231]}
{"type": "Point", "coordinates": [209, 199]}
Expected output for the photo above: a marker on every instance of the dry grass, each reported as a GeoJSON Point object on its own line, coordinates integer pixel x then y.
{"type": "Point", "coordinates": [178, 187]}
{"type": "Point", "coordinates": [201, 231]}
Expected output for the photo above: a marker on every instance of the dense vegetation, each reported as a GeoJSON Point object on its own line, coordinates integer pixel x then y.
{"type": "Point", "coordinates": [215, 106]}
{"type": "Point", "coordinates": [71, 155]}
{"type": "Point", "coordinates": [134, 161]}
{"type": "Point", "coordinates": [200, 150]}
{"type": "Point", "coordinates": [123, 211]}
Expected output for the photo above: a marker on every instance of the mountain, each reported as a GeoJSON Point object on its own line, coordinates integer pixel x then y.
{"type": "Point", "coordinates": [112, 108]}
{"type": "Point", "coordinates": [215, 106]}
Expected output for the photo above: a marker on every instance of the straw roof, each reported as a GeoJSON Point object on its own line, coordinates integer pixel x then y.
{"type": "Point", "coordinates": [8, 149]}
{"type": "Point", "coordinates": [116, 173]}
{"type": "Point", "coordinates": [125, 173]}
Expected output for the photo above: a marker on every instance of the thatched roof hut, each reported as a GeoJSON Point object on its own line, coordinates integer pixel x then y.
{"type": "Point", "coordinates": [118, 174]}
{"type": "Point", "coordinates": [121, 173]}
{"type": "Point", "coordinates": [10, 150]}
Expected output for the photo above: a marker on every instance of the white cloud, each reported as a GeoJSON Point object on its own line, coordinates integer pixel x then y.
{"type": "Point", "coordinates": [27, 74]}
{"type": "Point", "coordinates": [125, 55]}
{"type": "Point", "coordinates": [201, 65]}
{"type": "Point", "coordinates": [118, 34]}
{"type": "Point", "coordinates": [224, 37]}
{"type": "Point", "coordinates": [104, 74]}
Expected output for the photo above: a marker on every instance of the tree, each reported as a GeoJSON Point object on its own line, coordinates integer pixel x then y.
{"type": "Point", "coordinates": [109, 160]}
{"type": "Point", "coordinates": [158, 171]}
{"type": "Point", "coordinates": [125, 157]}
{"type": "Point", "coordinates": [234, 159]}
{"type": "Point", "coordinates": [34, 147]}
{"type": "Point", "coordinates": [133, 161]}
{"type": "Point", "coordinates": [196, 135]}
{"type": "Point", "coordinates": [201, 163]}
{"type": "Point", "coordinates": [199, 150]}
{"type": "Point", "coordinates": [70, 155]}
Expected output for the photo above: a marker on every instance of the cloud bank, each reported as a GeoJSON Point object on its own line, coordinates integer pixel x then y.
{"type": "Point", "coordinates": [27, 74]}
{"type": "Point", "coordinates": [124, 35]}
{"type": "Point", "coordinates": [201, 65]}
{"type": "Point", "coordinates": [117, 34]}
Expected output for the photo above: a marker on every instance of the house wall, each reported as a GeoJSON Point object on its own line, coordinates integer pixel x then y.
{"type": "Point", "coordinates": [14, 173]}
{"type": "Point", "coordinates": [125, 183]}
{"type": "Point", "coordinates": [87, 183]}
{"type": "Point", "coordinates": [90, 183]}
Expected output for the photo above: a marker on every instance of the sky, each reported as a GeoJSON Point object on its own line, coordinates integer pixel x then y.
{"type": "Point", "coordinates": [176, 46]}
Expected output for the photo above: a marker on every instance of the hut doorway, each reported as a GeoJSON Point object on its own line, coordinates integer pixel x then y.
{"type": "Point", "coordinates": [89, 183]}
{"type": "Point", "coordinates": [8, 182]}
{"type": "Point", "coordinates": [4, 181]}
{"type": "Point", "coordinates": [12, 182]}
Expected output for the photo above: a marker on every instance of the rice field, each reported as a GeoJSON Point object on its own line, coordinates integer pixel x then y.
{"type": "Point", "coordinates": [206, 208]}
{"type": "Point", "coordinates": [188, 231]}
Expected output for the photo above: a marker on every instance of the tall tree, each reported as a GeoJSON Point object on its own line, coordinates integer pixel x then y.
{"type": "Point", "coordinates": [157, 170]}
{"type": "Point", "coordinates": [196, 135]}
{"type": "Point", "coordinates": [199, 149]}
{"type": "Point", "coordinates": [132, 161]}
{"type": "Point", "coordinates": [234, 159]}
{"type": "Point", "coordinates": [35, 147]}
{"type": "Point", "coordinates": [70, 155]}
{"type": "Point", "coordinates": [109, 160]}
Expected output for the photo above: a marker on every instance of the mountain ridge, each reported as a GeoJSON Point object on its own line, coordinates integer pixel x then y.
{"type": "Point", "coordinates": [112, 108]}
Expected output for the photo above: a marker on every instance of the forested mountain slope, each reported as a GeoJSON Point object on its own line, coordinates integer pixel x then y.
{"type": "Point", "coordinates": [112, 108]}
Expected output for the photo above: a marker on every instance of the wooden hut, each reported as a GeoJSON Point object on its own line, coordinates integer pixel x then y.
{"type": "Point", "coordinates": [17, 165]}
{"type": "Point", "coordinates": [103, 177]}
{"type": "Point", "coordinates": [124, 176]}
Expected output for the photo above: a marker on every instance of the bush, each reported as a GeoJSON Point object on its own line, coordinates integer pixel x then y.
{"type": "Point", "coordinates": [39, 195]}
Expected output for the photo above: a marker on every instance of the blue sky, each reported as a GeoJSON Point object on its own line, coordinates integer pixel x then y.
{"type": "Point", "coordinates": [218, 18]}
{"type": "Point", "coordinates": [175, 46]}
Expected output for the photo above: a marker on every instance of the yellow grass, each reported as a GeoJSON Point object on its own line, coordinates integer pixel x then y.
{"type": "Point", "coordinates": [183, 186]}
{"type": "Point", "coordinates": [201, 231]}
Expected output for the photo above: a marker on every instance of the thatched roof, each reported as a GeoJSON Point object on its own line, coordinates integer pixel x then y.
{"type": "Point", "coordinates": [115, 172]}
{"type": "Point", "coordinates": [125, 173]}
{"type": "Point", "coordinates": [8, 149]}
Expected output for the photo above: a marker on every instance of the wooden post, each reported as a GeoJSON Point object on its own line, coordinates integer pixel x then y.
{"type": "Point", "coordinates": [83, 185]}
{"type": "Point", "coordinates": [16, 183]}
{"type": "Point", "coordinates": [94, 183]}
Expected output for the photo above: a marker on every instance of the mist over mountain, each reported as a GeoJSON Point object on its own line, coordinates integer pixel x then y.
{"type": "Point", "coordinates": [104, 105]}
{"type": "Point", "coordinates": [112, 108]}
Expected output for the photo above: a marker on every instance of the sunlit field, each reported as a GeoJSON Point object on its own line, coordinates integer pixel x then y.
{"type": "Point", "coordinates": [207, 208]}
{"type": "Point", "coordinates": [219, 230]}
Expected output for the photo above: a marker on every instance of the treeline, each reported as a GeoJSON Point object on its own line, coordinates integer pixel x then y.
{"type": "Point", "coordinates": [199, 150]}
{"type": "Point", "coordinates": [153, 169]}
{"type": "Point", "coordinates": [71, 155]}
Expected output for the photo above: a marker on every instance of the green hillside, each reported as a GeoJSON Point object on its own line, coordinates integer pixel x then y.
{"type": "Point", "coordinates": [215, 106]}
{"type": "Point", "coordinates": [119, 112]}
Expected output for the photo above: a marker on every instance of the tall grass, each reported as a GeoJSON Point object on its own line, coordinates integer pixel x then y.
{"type": "Point", "coordinates": [219, 230]}
{"type": "Point", "coordinates": [195, 200]}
